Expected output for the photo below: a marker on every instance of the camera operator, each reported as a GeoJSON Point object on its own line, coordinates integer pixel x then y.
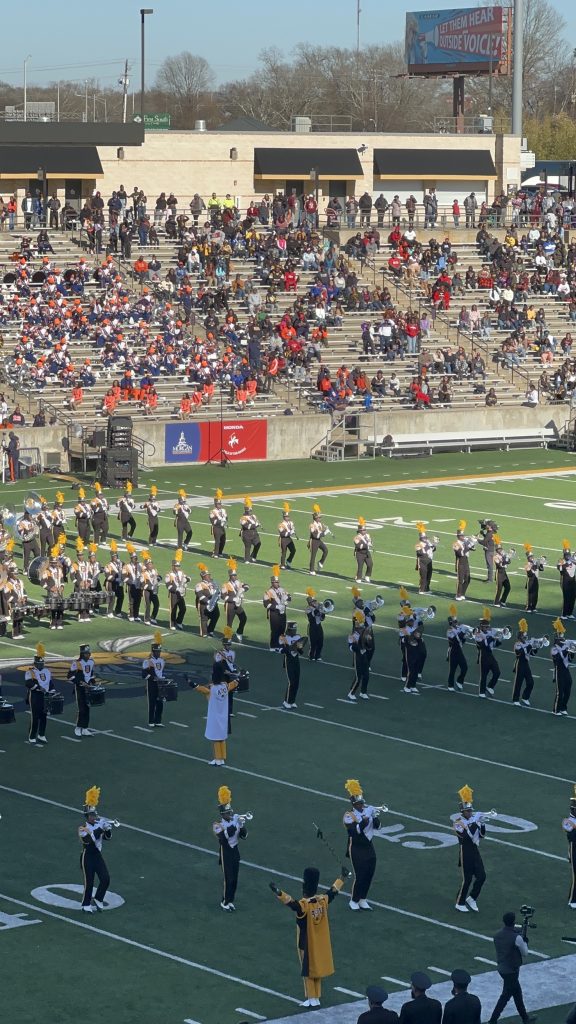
{"type": "Point", "coordinates": [486, 540]}
{"type": "Point", "coordinates": [511, 945]}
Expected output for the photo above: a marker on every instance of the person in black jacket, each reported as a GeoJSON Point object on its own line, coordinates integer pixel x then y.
{"type": "Point", "coordinates": [463, 1008]}
{"type": "Point", "coordinates": [510, 948]}
{"type": "Point", "coordinates": [421, 1009]}
{"type": "Point", "coordinates": [377, 1014]}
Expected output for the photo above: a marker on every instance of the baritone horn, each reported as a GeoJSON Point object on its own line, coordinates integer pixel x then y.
{"type": "Point", "coordinates": [502, 634]}
{"type": "Point", "coordinates": [245, 817]}
{"type": "Point", "coordinates": [109, 823]}
{"type": "Point", "coordinates": [376, 602]}
{"type": "Point", "coordinates": [425, 613]}
{"type": "Point", "coordinates": [540, 641]}
{"type": "Point", "coordinates": [487, 815]}
{"type": "Point", "coordinates": [328, 606]}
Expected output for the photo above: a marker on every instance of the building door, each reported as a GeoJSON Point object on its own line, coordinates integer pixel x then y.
{"type": "Point", "coordinates": [73, 193]}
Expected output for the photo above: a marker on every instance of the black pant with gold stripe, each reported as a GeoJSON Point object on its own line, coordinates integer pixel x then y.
{"type": "Point", "coordinates": [363, 857]}
{"type": "Point", "coordinates": [155, 704]}
{"type": "Point", "coordinates": [37, 714]}
{"type": "Point", "coordinates": [230, 864]}
{"type": "Point", "coordinates": [522, 674]}
{"type": "Point", "coordinates": [93, 864]}
{"type": "Point", "coordinates": [563, 680]}
{"type": "Point", "coordinates": [83, 716]}
{"type": "Point", "coordinates": [292, 666]}
{"type": "Point", "coordinates": [472, 868]}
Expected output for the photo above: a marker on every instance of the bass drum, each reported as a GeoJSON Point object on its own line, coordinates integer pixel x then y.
{"type": "Point", "coordinates": [37, 568]}
{"type": "Point", "coordinates": [243, 681]}
{"type": "Point", "coordinates": [96, 695]}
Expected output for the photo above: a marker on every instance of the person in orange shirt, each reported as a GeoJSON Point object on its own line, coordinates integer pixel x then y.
{"type": "Point", "coordinates": [208, 393]}
{"type": "Point", "coordinates": [251, 387]}
{"type": "Point", "coordinates": [241, 397]}
{"type": "Point", "coordinates": [109, 402]}
{"type": "Point", "coordinates": [185, 407]}
{"type": "Point", "coordinates": [141, 269]}
{"type": "Point", "coordinates": [76, 397]}
{"type": "Point", "coordinates": [197, 398]}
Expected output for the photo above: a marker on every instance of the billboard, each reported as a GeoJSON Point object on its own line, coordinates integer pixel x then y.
{"type": "Point", "coordinates": [240, 440]}
{"type": "Point", "coordinates": [461, 40]}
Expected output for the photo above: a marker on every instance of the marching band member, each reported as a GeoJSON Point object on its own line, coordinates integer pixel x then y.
{"type": "Point", "coordinates": [286, 534]}
{"type": "Point", "coordinates": [501, 560]}
{"type": "Point", "coordinates": [182, 512]}
{"type": "Point", "coordinates": [229, 830]}
{"type": "Point", "coordinates": [206, 597]}
{"type": "Point", "coordinates": [233, 595]}
{"type": "Point", "coordinates": [91, 834]}
{"type": "Point", "coordinates": [523, 651]}
{"type": "Point", "coordinates": [424, 553]}
{"type": "Point", "coordinates": [461, 547]}
{"type": "Point", "coordinates": [217, 719]}
{"type": "Point", "coordinates": [152, 509]}
{"type": "Point", "coordinates": [53, 584]}
{"type": "Point", "coordinates": [218, 522]}
{"type": "Point", "coordinates": [18, 602]}
{"type": "Point", "coordinates": [38, 681]}
{"type": "Point", "coordinates": [404, 616]}
{"type": "Point", "coordinates": [126, 506]}
{"type": "Point", "coordinates": [316, 540]}
{"type": "Point", "coordinates": [176, 582]}
{"type": "Point", "coordinates": [562, 655]}
{"type": "Point", "coordinates": [28, 532]}
{"type": "Point", "coordinates": [150, 585]}
{"type": "Point", "coordinates": [360, 822]}
{"type": "Point", "coordinates": [81, 675]}
{"type": "Point", "coordinates": [83, 515]}
{"type": "Point", "coordinates": [416, 655]}
{"type": "Point", "coordinates": [132, 575]}
{"type": "Point", "coordinates": [153, 673]}
{"type": "Point", "coordinates": [315, 615]}
{"type": "Point", "coordinates": [224, 667]}
{"type": "Point", "coordinates": [360, 642]}
{"type": "Point", "coordinates": [487, 539]}
{"type": "Point", "coordinates": [486, 640]}
{"type": "Point", "coordinates": [456, 637]}
{"type": "Point", "coordinates": [81, 577]}
{"type": "Point", "coordinates": [5, 593]}
{"type": "Point", "coordinates": [567, 568]}
{"type": "Point", "coordinates": [291, 646]}
{"type": "Point", "coordinates": [569, 826]}
{"type": "Point", "coordinates": [100, 507]}
{"type": "Point", "coordinates": [94, 572]}
{"type": "Point", "coordinates": [363, 553]}
{"type": "Point", "coordinates": [46, 528]}
{"type": "Point", "coordinates": [533, 568]}
{"type": "Point", "coordinates": [470, 829]}
{"type": "Point", "coordinates": [114, 582]}
{"type": "Point", "coordinates": [275, 600]}
{"type": "Point", "coordinates": [249, 532]}
{"type": "Point", "coordinates": [359, 605]}
{"type": "Point", "coordinates": [313, 931]}
{"type": "Point", "coordinates": [59, 517]}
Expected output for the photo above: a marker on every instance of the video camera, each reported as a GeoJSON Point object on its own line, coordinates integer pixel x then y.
{"type": "Point", "coordinates": [527, 914]}
{"type": "Point", "coordinates": [487, 526]}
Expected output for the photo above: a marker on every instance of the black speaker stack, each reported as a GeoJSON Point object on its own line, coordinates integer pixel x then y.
{"type": "Point", "coordinates": [119, 459]}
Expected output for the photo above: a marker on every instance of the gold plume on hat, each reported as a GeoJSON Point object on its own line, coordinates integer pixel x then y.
{"type": "Point", "coordinates": [81, 493]}
{"type": "Point", "coordinates": [361, 521]}
{"type": "Point", "coordinates": [247, 502]}
{"type": "Point", "coordinates": [403, 594]}
{"type": "Point", "coordinates": [559, 626]}
{"type": "Point", "coordinates": [407, 609]}
{"type": "Point", "coordinates": [79, 545]}
{"type": "Point", "coordinates": [93, 548]}
{"type": "Point", "coordinates": [178, 555]}
{"type": "Point", "coordinates": [316, 509]}
{"type": "Point", "coordinates": [60, 497]}
{"type": "Point", "coordinates": [466, 794]}
{"type": "Point", "coordinates": [55, 551]}
{"type": "Point", "coordinates": [113, 547]}
{"type": "Point", "coordinates": [527, 547]}
{"type": "Point", "coordinates": [224, 795]}
{"type": "Point", "coordinates": [181, 493]}
{"type": "Point", "coordinates": [310, 592]}
{"type": "Point", "coordinates": [523, 626]}
{"type": "Point", "coordinates": [219, 495]}
{"type": "Point", "coordinates": [496, 538]}
{"type": "Point", "coordinates": [128, 487]}
{"type": "Point", "coordinates": [201, 567]}
{"type": "Point", "coordinates": [130, 548]}
{"type": "Point", "coordinates": [286, 507]}
{"type": "Point", "coordinates": [276, 570]}
{"type": "Point", "coordinates": [462, 524]}
{"type": "Point", "coordinates": [157, 637]}
{"type": "Point", "coordinates": [61, 538]}
{"type": "Point", "coordinates": [486, 614]}
{"type": "Point", "coordinates": [421, 527]}
{"type": "Point", "coordinates": [97, 487]}
{"type": "Point", "coordinates": [10, 544]}
{"type": "Point", "coordinates": [359, 616]}
{"type": "Point", "coordinates": [92, 796]}
{"type": "Point", "coordinates": [145, 555]}
{"type": "Point", "coordinates": [452, 610]}
{"type": "Point", "coordinates": [356, 592]}
{"type": "Point", "coordinates": [227, 632]}
{"type": "Point", "coordinates": [353, 787]}
{"type": "Point", "coordinates": [40, 650]}
{"type": "Point", "coordinates": [232, 564]}
{"type": "Point", "coordinates": [566, 545]}
{"type": "Point", "coordinates": [153, 491]}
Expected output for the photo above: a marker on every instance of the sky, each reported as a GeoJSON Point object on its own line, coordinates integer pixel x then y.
{"type": "Point", "coordinates": [229, 35]}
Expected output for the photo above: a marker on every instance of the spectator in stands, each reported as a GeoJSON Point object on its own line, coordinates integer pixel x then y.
{"type": "Point", "coordinates": [365, 205]}
{"type": "Point", "coordinates": [17, 417]}
{"type": "Point", "coordinates": [381, 205]}
{"type": "Point", "coordinates": [491, 398]}
{"type": "Point", "coordinates": [456, 213]}
{"type": "Point", "coordinates": [531, 397]}
{"type": "Point", "coordinates": [444, 391]}
{"type": "Point", "coordinates": [351, 211]}
{"type": "Point", "coordinates": [141, 269]}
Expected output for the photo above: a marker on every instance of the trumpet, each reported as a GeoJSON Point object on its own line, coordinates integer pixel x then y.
{"type": "Point", "coordinates": [537, 642]}
{"type": "Point", "coordinates": [510, 554]}
{"type": "Point", "coordinates": [107, 823]}
{"type": "Point", "coordinates": [468, 630]}
{"type": "Point", "coordinates": [382, 809]}
{"type": "Point", "coordinates": [487, 815]}
{"type": "Point", "coordinates": [376, 602]}
{"type": "Point", "coordinates": [243, 818]}
{"type": "Point", "coordinates": [502, 634]}
{"type": "Point", "coordinates": [425, 613]}
{"type": "Point", "coordinates": [570, 646]}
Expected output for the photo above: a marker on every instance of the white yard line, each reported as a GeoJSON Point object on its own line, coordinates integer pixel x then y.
{"type": "Point", "coordinates": [395, 981]}
{"type": "Point", "coordinates": [350, 992]}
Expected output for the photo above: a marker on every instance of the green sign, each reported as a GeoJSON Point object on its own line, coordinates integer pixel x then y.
{"type": "Point", "coordinates": [154, 122]}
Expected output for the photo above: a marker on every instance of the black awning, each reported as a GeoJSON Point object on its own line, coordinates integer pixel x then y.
{"type": "Point", "coordinates": [297, 163]}
{"type": "Point", "coordinates": [422, 164]}
{"type": "Point", "coordinates": [57, 161]}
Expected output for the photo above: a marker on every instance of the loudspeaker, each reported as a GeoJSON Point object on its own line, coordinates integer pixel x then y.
{"type": "Point", "coordinates": [119, 432]}
{"type": "Point", "coordinates": [117, 466]}
{"type": "Point", "coordinates": [98, 439]}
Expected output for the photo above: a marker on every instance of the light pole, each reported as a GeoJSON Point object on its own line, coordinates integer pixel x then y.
{"type": "Point", "coordinates": [29, 57]}
{"type": "Point", "coordinates": [143, 12]}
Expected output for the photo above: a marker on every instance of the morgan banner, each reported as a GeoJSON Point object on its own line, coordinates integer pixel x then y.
{"type": "Point", "coordinates": [237, 440]}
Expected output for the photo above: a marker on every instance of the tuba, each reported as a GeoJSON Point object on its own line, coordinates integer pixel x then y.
{"type": "Point", "coordinates": [32, 503]}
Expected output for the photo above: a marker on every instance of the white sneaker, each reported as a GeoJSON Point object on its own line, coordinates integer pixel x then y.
{"type": "Point", "coordinates": [110, 615]}
{"type": "Point", "coordinates": [483, 695]}
{"type": "Point", "coordinates": [286, 705]}
{"type": "Point", "coordinates": [459, 686]}
{"type": "Point", "coordinates": [231, 906]}
{"type": "Point", "coordinates": [572, 905]}
{"type": "Point", "coordinates": [293, 705]}
{"type": "Point", "coordinates": [98, 904]}
{"type": "Point", "coordinates": [358, 579]}
{"type": "Point", "coordinates": [32, 741]}
{"type": "Point", "coordinates": [406, 689]}
{"type": "Point", "coordinates": [351, 696]}
{"type": "Point", "coordinates": [42, 739]}
{"type": "Point", "coordinates": [312, 573]}
{"type": "Point", "coordinates": [526, 703]}
{"type": "Point", "coordinates": [213, 762]}
{"type": "Point", "coordinates": [364, 905]}
{"type": "Point", "coordinates": [321, 566]}
{"type": "Point", "coordinates": [77, 731]}
{"type": "Point", "coordinates": [307, 1002]}
{"type": "Point", "coordinates": [415, 691]}
{"type": "Point", "coordinates": [490, 690]}
{"type": "Point", "coordinates": [353, 905]}
{"type": "Point", "coordinates": [86, 732]}
{"type": "Point", "coordinates": [226, 906]}
{"type": "Point", "coordinates": [364, 696]}
{"type": "Point", "coordinates": [367, 579]}
{"type": "Point", "coordinates": [314, 1002]}
{"type": "Point", "coordinates": [461, 908]}
{"type": "Point", "coordinates": [88, 910]}
{"type": "Point", "coordinates": [461, 598]}
{"type": "Point", "coordinates": [238, 637]}
{"type": "Point", "coordinates": [472, 903]}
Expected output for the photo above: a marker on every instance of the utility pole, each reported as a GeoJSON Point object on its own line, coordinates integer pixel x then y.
{"type": "Point", "coordinates": [124, 82]}
{"type": "Point", "coordinates": [517, 66]}
{"type": "Point", "coordinates": [358, 11]}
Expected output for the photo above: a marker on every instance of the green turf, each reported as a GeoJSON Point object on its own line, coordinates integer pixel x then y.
{"type": "Point", "coordinates": [289, 769]}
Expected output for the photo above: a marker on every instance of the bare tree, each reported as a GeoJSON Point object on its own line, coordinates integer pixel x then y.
{"type": "Point", "coordinates": [186, 78]}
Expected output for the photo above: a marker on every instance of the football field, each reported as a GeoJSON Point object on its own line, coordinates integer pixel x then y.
{"type": "Point", "coordinates": [164, 952]}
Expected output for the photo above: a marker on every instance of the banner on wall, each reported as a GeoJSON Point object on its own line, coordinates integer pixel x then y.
{"type": "Point", "coordinates": [239, 440]}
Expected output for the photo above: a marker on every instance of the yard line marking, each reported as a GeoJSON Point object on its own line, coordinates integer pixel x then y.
{"type": "Point", "coordinates": [483, 960]}
{"type": "Point", "coordinates": [439, 970]}
{"type": "Point", "coordinates": [70, 739]}
{"type": "Point", "coordinates": [182, 725]}
{"type": "Point", "coordinates": [188, 1020]}
{"type": "Point", "coordinates": [319, 707]}
{"type": "Point", "coordinates": [149, 949]}
{"type": "Point", "coordinates": [142, 729]}
{"type": "Point", "coordinates": [247, 1013]}
{"type": "Point", "coordinates": [246, 714]}
{"type": "Point", "coordinates": [395, 981]}
{"type": "Point", "coordinates": [267, 869]}
{"type": "Point", "coordinates": [349, 992]}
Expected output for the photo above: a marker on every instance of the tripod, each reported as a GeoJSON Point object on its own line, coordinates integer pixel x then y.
{"type": "Point", "coordinates": [219, 456]}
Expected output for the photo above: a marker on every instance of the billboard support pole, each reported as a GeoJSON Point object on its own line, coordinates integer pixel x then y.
{"type": "Point", "coordinates": [517, 66]}
{"type": "Point", "coordinates": [458, 102]}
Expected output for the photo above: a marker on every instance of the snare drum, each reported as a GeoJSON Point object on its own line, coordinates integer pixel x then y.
{"type": "Point", "coordinates": [7, 714]}
{"type": "Point", "coordinates": [96, 695]}
{"type": "Point", "coordinates": [56, 705]}
{"type": "Point", "coordinates": [243, 681]}
{"type": "Point", "coordinates": [167, 690]}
